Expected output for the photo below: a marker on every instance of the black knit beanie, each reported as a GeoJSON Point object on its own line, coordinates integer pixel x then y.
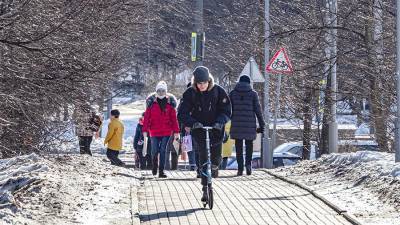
{"type": "Point", "coordinates": [201, 74]}
{"type": "Point", "coordinates": [244, 79]}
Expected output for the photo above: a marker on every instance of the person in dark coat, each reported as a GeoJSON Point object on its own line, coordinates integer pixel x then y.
{"type": "Point", "coordinates": [245, 109]}
{"type": "Point", "coordinates": [138, 143]}
{"type": "Point", "coordinates": [205, 104]}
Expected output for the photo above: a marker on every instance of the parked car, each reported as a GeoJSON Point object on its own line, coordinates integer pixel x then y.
{"type": "Point", "coordinates": [290, 153]}
{"type": "Point", "coordinates": [255, 162]}
{"type": "Point", "coordinates": [358, 145]}
{"type": "Point", "coordinates": [285, 154]}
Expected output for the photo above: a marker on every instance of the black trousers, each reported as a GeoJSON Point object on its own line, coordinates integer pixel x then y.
{"type": "Point", "coordinates": [239, 152]}
{"type": "Point", "coordinates": [145, 162]}
{"type": "Point", "coordinates": [112, 155]}
{"type": "Point", "coordinates": [84, 144]}
{"type": "Point", "coordinates": [215, 157]}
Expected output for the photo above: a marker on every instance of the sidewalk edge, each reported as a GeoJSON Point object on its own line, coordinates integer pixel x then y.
{"type": "Point", "coordinates": [349, 217]}
{"type": "Point", "coordinates": [135, 202]}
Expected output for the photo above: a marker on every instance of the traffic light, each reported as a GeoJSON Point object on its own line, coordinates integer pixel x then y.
{"type": "Point", "coordinates": [198, 43]}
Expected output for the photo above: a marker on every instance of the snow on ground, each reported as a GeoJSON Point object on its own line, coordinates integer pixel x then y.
{"type": "Point", "coordinates": [130, 114]}
{"type": "Point", "coordinates": [64, 189]}
{"type": "Point", "coordinates": [364, 183]}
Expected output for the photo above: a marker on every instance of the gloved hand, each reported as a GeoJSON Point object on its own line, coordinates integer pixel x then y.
{"type": "Point", "coordinates": [197, 125]}
{"type": "Point", "coordinates": [260, 130]}
{"type": "Point", "coordinates": [176, 136]}
{"type": "Point", "coordinates": [218, 126]}
{"type": "Point", "coordinates": [226, 137]}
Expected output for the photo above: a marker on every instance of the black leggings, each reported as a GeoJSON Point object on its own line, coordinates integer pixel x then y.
{"type": "Point", "coordinates": [84, 144]}
{"type": "Point", "coordinates": [239, 152]}
{"type": "Point", "coordinates": [215, 156]}
{"type": "Point", "coordinates": [112, 155]}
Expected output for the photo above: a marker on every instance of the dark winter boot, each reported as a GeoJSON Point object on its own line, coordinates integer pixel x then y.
{"type": "Point", "coordinates": [240, 172]}
{"type": "Point", "coordinates": [248, 169]}
{"type": "Point", "coordinates": [161, 174]}
{"type": "Point", "coordinates": [204, 198]}
{"type": "Point", "coordinates": [198, 173]}
{"type": "Point", "coordinates": [155, 166]}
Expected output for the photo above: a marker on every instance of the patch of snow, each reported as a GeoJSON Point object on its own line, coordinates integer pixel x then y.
{"type": "Point", "coordinates": [65, 189]}
{"type": "Point", "coordinates": [364, 183]}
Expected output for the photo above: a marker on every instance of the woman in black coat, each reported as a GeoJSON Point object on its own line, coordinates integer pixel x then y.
{"type": "Point", "coordinates": [245, 108]}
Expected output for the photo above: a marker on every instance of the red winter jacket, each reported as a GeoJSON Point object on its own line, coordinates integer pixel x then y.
{"type": "Point", "coordinates": [158, 123]}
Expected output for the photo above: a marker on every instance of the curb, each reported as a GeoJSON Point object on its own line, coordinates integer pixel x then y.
{"type": "Point", "coordinates": [135, 200]}
{"type": "Point", "coordinates": [341, 212]}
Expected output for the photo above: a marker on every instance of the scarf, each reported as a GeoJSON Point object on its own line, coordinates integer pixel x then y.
{"type": "Point", "coordinates": [162, 103]}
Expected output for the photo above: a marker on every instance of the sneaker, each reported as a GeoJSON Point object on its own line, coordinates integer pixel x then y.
{"type": "Point", "coordinates": [204, 198]}
{"type": "Point", "coordinates": [192, 168]}
{"type": "Point", "coordinates": [248, 170]}
{"type": "Point", "coordinates": [198, 173]}
{"type": "Point", "coordinates": [239, 172]}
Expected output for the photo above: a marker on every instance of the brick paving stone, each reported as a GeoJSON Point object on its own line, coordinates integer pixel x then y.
{"type": "Point", "coordinates": [256, 199]}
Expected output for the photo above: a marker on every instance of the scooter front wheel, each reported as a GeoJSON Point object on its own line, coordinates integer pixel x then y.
{"type": "Point", "coordinates": [210, 198]}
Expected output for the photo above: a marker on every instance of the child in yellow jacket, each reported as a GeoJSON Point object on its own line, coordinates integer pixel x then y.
{"type": "Point", "coordinates": [114, 137]}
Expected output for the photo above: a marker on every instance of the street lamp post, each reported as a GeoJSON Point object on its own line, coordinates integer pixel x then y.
{"type": "Point", "coordinates": [397, 135]}
{"type": "Point", "coordinates": [267, 155]}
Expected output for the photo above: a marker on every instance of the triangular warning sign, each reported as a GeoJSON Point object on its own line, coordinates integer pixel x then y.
{"type": "Point", "coordinates": [251, 69]}
{"type": "Point", "coordinates": [280, 63]}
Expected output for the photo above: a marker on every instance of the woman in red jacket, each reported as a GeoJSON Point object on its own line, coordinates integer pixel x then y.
{"type": "Point", "coordinates": [160, 122]}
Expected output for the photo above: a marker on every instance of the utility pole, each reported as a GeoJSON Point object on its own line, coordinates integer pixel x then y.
{"type": "Point", "coordinates": [198, 24]}
{"type": "Point", "coordinates": [267, 154]}
{"type": "Point", "coordinates": [397, 135]}
{"type": "Point", "coordinates": [333, 127]}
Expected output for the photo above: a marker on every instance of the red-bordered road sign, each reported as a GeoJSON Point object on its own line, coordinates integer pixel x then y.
{"type": "Point", "coordinates": [280, 63]}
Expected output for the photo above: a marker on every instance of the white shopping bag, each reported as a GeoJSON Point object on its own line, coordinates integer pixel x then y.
{"type": "Point", "coordinates": [144, 151]}
{"type": "Point", "coordinates": [187, 143]}
{"type": "Point", "coordinates": [175, 143]}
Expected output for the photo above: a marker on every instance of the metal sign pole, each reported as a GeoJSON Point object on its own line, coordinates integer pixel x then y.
{"type": "Point", "coordinates": [277, 107]}
{"type": "Point", "coordinates": [198, 26]}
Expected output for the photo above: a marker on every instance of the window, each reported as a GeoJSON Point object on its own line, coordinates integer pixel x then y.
{"type": "Point", "coordinates": [297, 150]}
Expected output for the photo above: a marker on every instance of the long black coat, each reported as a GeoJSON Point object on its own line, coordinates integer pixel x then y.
{"type": "Point", "coordinates": [210, 107]}
{"type": "Point", "coordinates": [245, 108]}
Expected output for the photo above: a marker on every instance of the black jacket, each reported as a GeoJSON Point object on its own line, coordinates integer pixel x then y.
{"type": "Point", "coordinates": [138, 140]}
{"type": "Point", "coordinates": [245, 108]}
{"type": "Point", "coordinates": [209, 107]}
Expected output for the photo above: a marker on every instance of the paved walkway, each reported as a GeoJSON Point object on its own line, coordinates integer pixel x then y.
{"type": "Point", "coordinates": [256, 199]}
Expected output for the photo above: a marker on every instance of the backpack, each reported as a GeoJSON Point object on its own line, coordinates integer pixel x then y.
{"type": "Point", "coordinates": [95, 123]}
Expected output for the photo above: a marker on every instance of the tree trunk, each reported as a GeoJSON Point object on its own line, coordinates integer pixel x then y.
{"type": "Point", "coordinates": [326, 117]}
{"type": "Point", "coordinates": [374, 45]}
{"type": "Point", "coordinates": [307, 121]}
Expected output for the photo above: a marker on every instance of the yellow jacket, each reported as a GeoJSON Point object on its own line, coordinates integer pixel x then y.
{"type": "Point", "coordinates": [227, 147]}
{"type": "Point", "coordinates": [115, 134]}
